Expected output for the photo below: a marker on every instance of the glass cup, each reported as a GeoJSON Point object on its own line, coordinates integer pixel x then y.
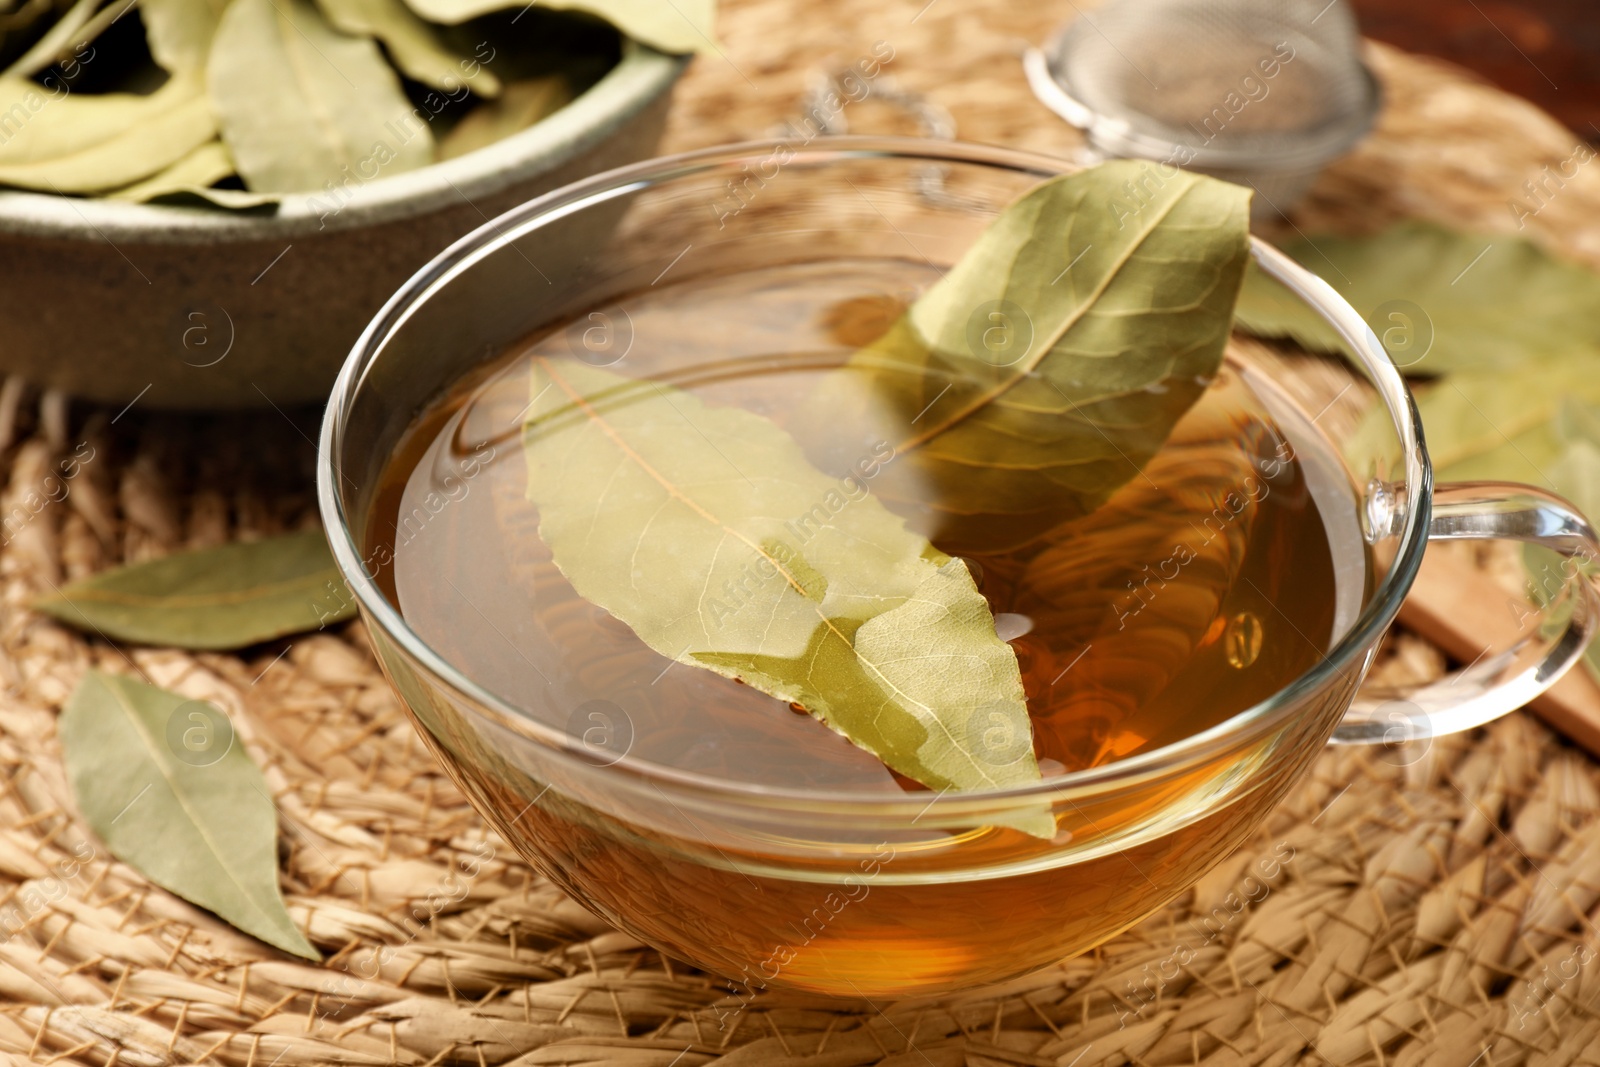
{"type": "Point", "coordinates": [872, 894]}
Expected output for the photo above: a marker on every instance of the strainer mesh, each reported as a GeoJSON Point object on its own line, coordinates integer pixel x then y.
{"type": "Point", "coordinates": [1229, 74]}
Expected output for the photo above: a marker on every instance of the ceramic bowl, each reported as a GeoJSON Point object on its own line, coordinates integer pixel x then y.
{"type": "Point", "coordinates": [189, 307]}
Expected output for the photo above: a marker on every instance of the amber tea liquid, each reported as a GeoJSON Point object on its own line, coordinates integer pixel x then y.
{"type": "Point", "coordinates": [1222, 572]}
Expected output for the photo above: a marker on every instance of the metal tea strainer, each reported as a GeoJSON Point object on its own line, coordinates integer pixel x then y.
{"type": "Point", "coordinates": [1260, 92]}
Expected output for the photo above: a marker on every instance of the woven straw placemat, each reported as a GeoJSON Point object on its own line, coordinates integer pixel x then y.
{"type": "Point", "coordinates": [1428, 906]}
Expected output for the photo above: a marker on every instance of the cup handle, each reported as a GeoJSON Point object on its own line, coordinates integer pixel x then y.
{"type": "Point", "coordinates": [1500, 681]}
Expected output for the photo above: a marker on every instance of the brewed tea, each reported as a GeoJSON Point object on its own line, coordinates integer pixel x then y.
{"type": "Point", "coordinates": [1203, 586]}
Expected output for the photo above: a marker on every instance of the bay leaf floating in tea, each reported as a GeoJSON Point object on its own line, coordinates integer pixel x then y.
{"type": "Point", "coordinates": [301, 104]}
{"type": "Point", "coordinates": [688, 522]}
{"type": "Point", "coordinates": [164, 783]}
{"type": "Point", "coordinates": [691, 524]}
{"type": "Point", "coordinates": [216, 598]}
{"type": "Point", "coordinates": [1051, 362]}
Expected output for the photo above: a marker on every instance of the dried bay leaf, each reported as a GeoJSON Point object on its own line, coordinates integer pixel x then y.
{"type": "Point", "coordinates": [180, 32]}
{"type": "Point", "coordinates": [72, 50]}
{"type": "Point", "coordinates": [19, 20]}
{"type": "Point", "coordinates": [414, 45]}
{"type": "Point", "coordinates": [1575, 472]}
{"type": "Point", "coordinates": [680, 26]}
{"type": "Point", "coordinates": [62, 123]}
{"type": "Point", "coordinates": [302, 105]}
{"type": "Point", "coordinates": [206, 165]}
{"type": "Point", "coordinates": [1515, 338]}
{"type": "Point", "coordinates": [520, 105]}
{"type": "Point", "coordinates": [1488, 302]}
{"type": "Point", "coordinates": [198, 822]}
{"type": "Point", "coordinates": [1267, 309]}
{"type": "Point", "coordinates": [216, 598]}
{"type": "Point", "coordinates": [1548, 435]}
{"type": "Point", "coordinates": [1511, 337]}
{"type": "Point", "coordinates": [82, 143]}
{"type": "Point", "coordinates": [240, 201]}
{"type": "Point", "coordinates": [1474, 423]}
{"type": "Point", "coordinates": [1572, 469]}
{"type": "Point", "coordinates": [57, 39]}
{"type": "Point", "coordinates": [688, 523]}
{"type": "Point", "coordinates": [1050, 363]}
{"type": "Point", "coordinates": [1493, 425]}
{"type": "Point", "coordinates": [190, 182]}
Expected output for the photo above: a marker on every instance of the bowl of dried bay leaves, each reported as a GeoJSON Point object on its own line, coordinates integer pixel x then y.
{"type": "Point", "coordinates": [202, 202]}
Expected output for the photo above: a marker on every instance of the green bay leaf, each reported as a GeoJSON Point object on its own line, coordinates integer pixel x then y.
{"type": "Point", "coordinates": [1489, 302]}
{"type": "Point", "coordinates": [164, 783]}
{"type": "Point", "coordinates": [216, 598]}
{"type": "Point", "coordinates": [520, 105]}
{"type": "Point", "coordinates": [81, 143]}
{"type": "Point", "coordinates": [180, 32]}
{"type": "Point", "coordinates": [303, 106]}
{"type": "Point", "coordinates": [679, 26]}
{"type": "Point", "coordinates": [415, 46]}
{"type": "Point", "coordinates": [1051, 362]}
{"type": "Point", "coordinates": [707, 531]}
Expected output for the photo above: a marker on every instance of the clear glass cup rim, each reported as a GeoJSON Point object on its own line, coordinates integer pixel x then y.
{"type": "Point", "coordinates": [495, 234]}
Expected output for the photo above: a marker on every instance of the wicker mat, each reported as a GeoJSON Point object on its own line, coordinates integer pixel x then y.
{"type": "Point", "coordinates": [1435, 907]}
